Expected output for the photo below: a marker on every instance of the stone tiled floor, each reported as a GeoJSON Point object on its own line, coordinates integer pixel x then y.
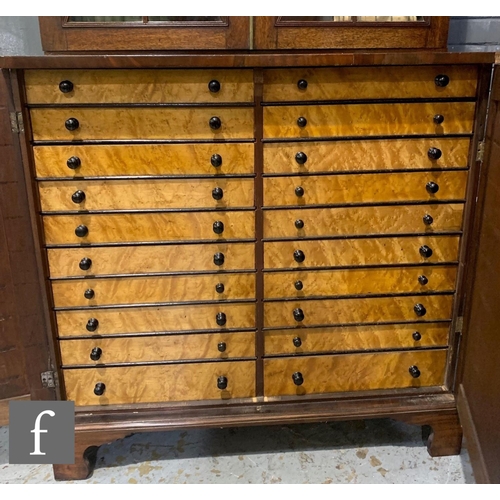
{"type": "Point", "coordinates": [374, 451]}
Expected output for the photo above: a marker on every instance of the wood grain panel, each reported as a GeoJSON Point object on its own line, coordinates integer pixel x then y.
{"type": "Point", "coordinates": [139, 86]}
{"type": "Point", "coordinates": [115, 228]}
{"type": "Point", "coordinates": [150, 259]}
{"type": "Point", "coordinates": [360, 155]}
{"type": "Point", "coordinates": [359, 281]}
{"type": "Point", "coordinates": [362, 220]}
{"type": "Point", "coordinates": [144, 123]}
{"type": "Point", "coordinates": [160, 383]}
{"type": "Point", "coordinates": [366, 310]}
{"type": "Point", "coordinates": [143, 159]}
{"type": "Point", "coordinates": [146, 194]}
{"type": "Point", "coordinates": [366, 188]}
{"type": "Point", "coordinates": [353, 372]}
{"type": "Point", "coordinates": [355, 338]}
{"type": "Point", "coordinates": [368, 83]}
{"type": "Point", "coordinates": [345, 120]}
{"type": "Point", "coordinates": [155, 319]}
{"type": "Point", "coordinates": [158, 348]}
{"type": "Point", "coordinates": [152, 289]}
{"type": "Point", "coordinates": [360, 252]}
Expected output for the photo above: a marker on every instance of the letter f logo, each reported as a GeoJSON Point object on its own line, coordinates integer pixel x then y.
{"type": "Point", "coordinates": [37, 431]}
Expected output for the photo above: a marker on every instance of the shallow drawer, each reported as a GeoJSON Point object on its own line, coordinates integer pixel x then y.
{"type": "Point", "coordinates": [155, 319]}
{"type": "Point", "coordinates": [359, 282]}
{"type": "Point", "coordinates": [353, 372]}
{"type": "Point", "coordinates": [397, 82]}
{"type": "Point", "coordinates": [150, 259]}
{"type": "Point", "coordinates": [145, 194]}
{"type": "Point", "coordinates": [365, 155]}
{"type": "Point", "coordinates": [361, 220]}
{"type": "Point", "coordinates": [366, 310]}
{"type": "Point", "coordinates": [138, 86]}
{"type": "Point", "coordinates": [160, 383]}
{"type": "Point", "coordinates": [157, 348]}
{"type": "Point", "coordinates": [141, 123]}
{"type": "Point", "coordinates": [355, 338]}
{"type": "Point", "coordinates": [153, 289]}
{"type": "Point", "coordinates": [365, 188]}
{"type": "Point", "coordinates": [144, 160]}
{"type": "Point", "coordinates": [346, 120]}
{"type": "Point", "coordinates": [360, 252]}
{"type": "Point", "coordinates": [116, 228]}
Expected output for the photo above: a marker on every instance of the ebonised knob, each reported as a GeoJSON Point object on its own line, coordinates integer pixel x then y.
{"type": "Point", "coordinates": [219, 287]}
{"type": "Point", "coordinates": [85, 264]}
{"type": "Point", "coordinates": [299, 223]}
{"type": "Point", "coordinates": [298, 314]}
{"type": "Point", "coordinates": [414, 371]}
{"type": "Point", "coordinates": [218, 227]}
{"type": "Point", "coordinates": [299, 256]}
{"type": "Point", "coordinates": [95, 354]}
{"type": "Point", "coordinates": [215, 123]}
{"type": "Point", "coordinates": [297, 342]}
{"type": "Point", "coordinates": [219, 259]}
{"type": "Point", "coordinates": [216, 160]}
{"type": "Point", "coordinates": [214, 86]}
{"type": "Point", "coordinates": [300, 158]}
{"type": "Point", "coordinates": [74, 162]}
{"type": "Point", "coordinates": [432, 187]}
{"type": "Point", "coordinates": [299, 285]}
{"type": "Point", "coordinates": [92, 325]}
{"type": "Point", "coordinates": [438, 119]}
{"type": "Point", "coordinates": [221, 346]}
{"type": "Point", "coordinates": [217, 193]}
{"type": "Point", "coordinates": [416, 336]}
{"type": "Point", "coordinates": [78, 197]}
{"type": "Point", "coordinates": [99, 388]}
{"type": "Point", "coordinates": [299, 191]}
{"type": "Point", "coordinates": [442, 80]}
{"type": "Point", "coordinates": [221, 319]}
{"type": "Point", "coordinates": [297, 378]}
{"type": "Point", "coordinates": [221, 383]}
{"type": "Point", "coordinates": [71, 124]}
{"type": "Point", "coordinates": [301, 121]}
{"type": "Point", "coordinates": [434, 153]}
{"type": "Point", "coordinates": [420, 310]}
{"type": "Point", "coordinates": [82, 230]}
{"type": "Point", "coordinates": [425, 251]}
{"type": "Point", "coordinates": [89, 294]}
{"type": "Point", "coordinates": [423, 280]}
{"type": "Point", "coordinates": [66, 86]}
{"type": "Point", "coordinates": [428, 219]}
{"type": "Point", "coordinates": [302, 84]}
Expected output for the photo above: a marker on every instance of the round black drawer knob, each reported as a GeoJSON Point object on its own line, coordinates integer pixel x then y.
{"type": "Point", "coordinates": [95, 354]}
{"type": "Point", "coordinates": [442, 80]}
{"type": "Point", "coordinates": [299, 224]}
{"type": "Point", "coordinates": [432, 187]}
{"type": "Point", "coordinates": [434, 153]}
{"type": "Point", "coordinates": [218, 227]}
{"type": "Point", "coordinates": [438, 119]}
{"type": "Point", "coordinates": [92, 325]}
{"type": "Point", "coordinates": [217, 193]}
{"type": "Point", "coordinates": [301, 122]}
{"type": "Point", "coordinates": [85, 264]}
{"type": "Point", "coordinates": [99, 388]}
{"type": "Point", "coordinates": [299, 191]}
{"type": "Point", "coordinates": [414, 371]}
{"type": "Point", "coordinates": [299, 256]}
{"type": "Point", "coordinates": [74, 162]}
{"type": "Point", "coordinates": [219, 259]}
{"type": "Point", "coordinates": [221, 346]}
{"type": "Point", "coordinates": [420, 310]}
{"type": "Point", "coordinates": [297, 378]}
{"type": "Point", "coordinates": [300, 158]}
{"type": "Point", "coordinates": [428, 219]}
{"type": "Point", "coordinates": [219, 287]}
{"type": "Point", "coordinates": [71, 124]}
{"type": "Point", "coordinates": [221, 319]}
{"type": "Point", "coordinates": [89, 294]}
{"type": "Point", "coordinates": [221, 383]}
{"type": "Point", "coordinates": [297, 342]}
{"type": "Point", "coordinates": [82, 230]}
{"type": "Point", "coordinates": [66, 86]}
{"type": "Point", "coordinates": [298, 314]}
{"type": "Point", "coordinates": [216, 160]}
{"type": "Point", "coordinates": [298, 285]}
{"type": "Point", "coordinates": [302, 84]}
{"type": "Point", "coordinates": [423, 280]}
{"type": "Point", "coordinates": [416, 336]}
{"type": "Point", "coordinates": [425, 251]}
{"type": "Point", "coordinates": [78, 197]}
{"type": "Point", "coordinates": [215, 123]}
{"type": "Point", "coordinates": [214, 86]}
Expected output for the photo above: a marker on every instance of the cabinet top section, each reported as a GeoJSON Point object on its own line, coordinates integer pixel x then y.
{"type": "Point", "coordinates": [244, 60]}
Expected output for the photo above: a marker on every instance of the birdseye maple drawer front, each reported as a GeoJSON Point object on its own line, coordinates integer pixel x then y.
{"type": "Point", "coordinates": [160, 383]}
{"type": "Point", "coordinates": [145, 194]}
{"type": "Point", "coordinates": [138, 86]}
{"type": "Point", "coordinates": [164, 259]}
{"type": "Point", "coordinates": [68, 124]}
{"type": "Point", "coordinates": [346, 120]}
{"type": "Point", "coordinates": [301, 375]}
{"type": "Point", "coordinates": [364, 188]}
{"type": "Point", "coordinates": [397, 82]}
{"type": "Point", "coordinates": [144, 160]}
{"type": "Point", "coordinates": [355, 338]}
{"type": "Point", "coordinates": [365, 310]}
{"type": "Point", "coordinates": [148, 290]}
{"type": "Point", "coordinates": [136, 227]}
{"type": "Point", "coordinates": [360, 252]}
{"type": "Point", "coordinates": [157, 348]}
{"type": "Point", "coordinates": [155, 319]}
{"type": "Point", "coordinates": [359, 281]}
{"type": "Point", "coordinates": [362, 220]}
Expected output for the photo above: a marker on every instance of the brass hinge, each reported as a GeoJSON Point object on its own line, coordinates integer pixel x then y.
{"type": "Point", "coordinates": [16, 122]}
{"type": "Point", "coordinates": [459, 324]}
{"type": "Point", "coordinates": [48, 379]}
{"type": "Point", "coordinates": [480, 151]}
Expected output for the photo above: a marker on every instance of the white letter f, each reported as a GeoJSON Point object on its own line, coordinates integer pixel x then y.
{"type": "Point", "coordinates": [37, 431]}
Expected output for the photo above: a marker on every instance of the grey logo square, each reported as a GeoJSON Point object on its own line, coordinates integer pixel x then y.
{"type": "Point", "coordinates": [41, 432]}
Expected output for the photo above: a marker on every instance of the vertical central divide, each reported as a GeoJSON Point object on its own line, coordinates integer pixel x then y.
{"type": "Point", "coordinates": [258, 80]}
